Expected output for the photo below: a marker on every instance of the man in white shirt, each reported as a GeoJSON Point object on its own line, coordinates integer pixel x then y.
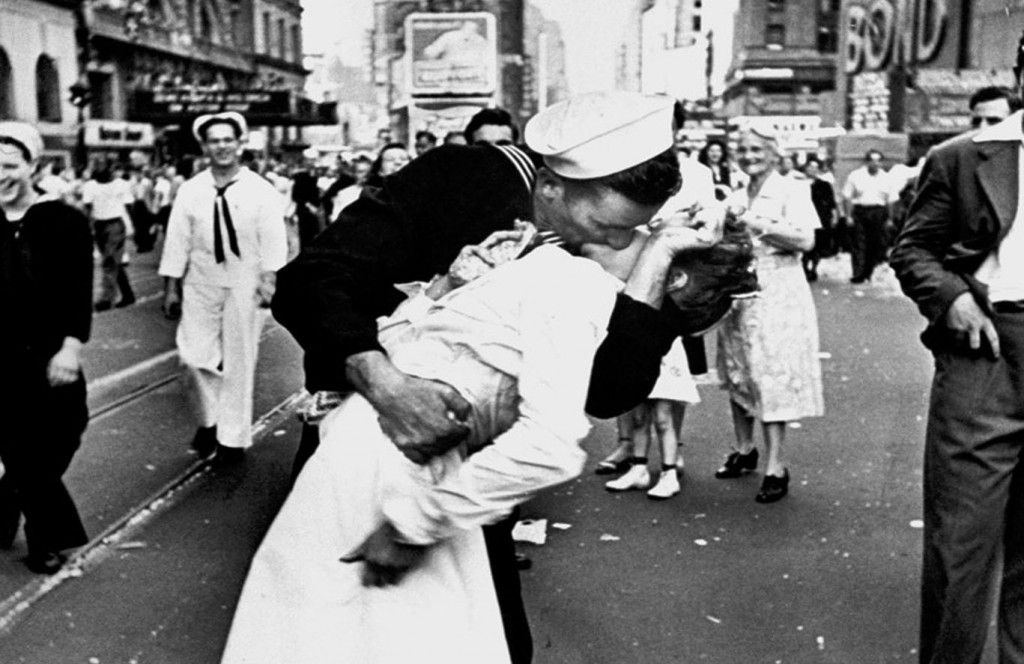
{"type": "Point", "coordinates": [960, 256]}
{"type": "Point", "coordinates": [225, 242]}
{"type": "Point", "coordinates": [867, 199]}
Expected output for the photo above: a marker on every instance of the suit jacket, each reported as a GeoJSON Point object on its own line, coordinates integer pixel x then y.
{"type": "Point", "coordinates": [412, 228]}
{"type": "Point", "coordinates": [965, 203]}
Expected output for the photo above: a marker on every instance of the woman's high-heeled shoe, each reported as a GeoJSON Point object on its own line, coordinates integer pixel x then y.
{"type": "Point", "coordinates": [609, 467]}
{"type": "Point", "coordinates": [773, 488]}
{"type": "Point", "coordinates": [737, 465]}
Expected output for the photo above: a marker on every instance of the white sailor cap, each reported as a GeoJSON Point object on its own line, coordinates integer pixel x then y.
{"type": "Point", "coordinates": [230, 117]}
{"type": "Point", "coordinates": [600, 133]}
{"type": "Point", "coordinates": [24, 136]}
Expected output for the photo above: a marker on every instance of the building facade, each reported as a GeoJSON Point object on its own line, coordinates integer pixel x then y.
{"type": "Point", "coordinates": [784, 59]}
{"type": "Point", "coordinates": [277, 45]}
{"type": "Point", "coordinates": [676, 50]}
{"type": "Point", "coordinates": [38, 63]}
{"type": "Point", "coordinates": [908, 68]}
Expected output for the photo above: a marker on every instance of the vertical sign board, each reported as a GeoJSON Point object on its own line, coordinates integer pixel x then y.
{"type": "Point", "coordinates": [883, 35]}
{"type": "Point", "coordinates": [451, 54]}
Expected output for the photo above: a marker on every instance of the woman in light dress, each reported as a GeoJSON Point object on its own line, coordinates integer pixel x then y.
{"type": "Point", "coordinates": [520, 351]}
{"type": "Point", "coordinates": [768, 345]}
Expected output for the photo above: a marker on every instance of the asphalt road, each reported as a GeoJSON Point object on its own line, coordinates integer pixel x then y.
{"type": "Point", "coordinates": [829, 574]}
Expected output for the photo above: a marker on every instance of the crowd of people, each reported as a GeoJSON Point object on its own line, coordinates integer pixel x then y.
{"type": "Point", "coordinates": [438, 410]}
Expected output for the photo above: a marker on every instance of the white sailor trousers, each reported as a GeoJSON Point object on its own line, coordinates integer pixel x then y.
{"type": "Point", "coordinates": [218, 341]}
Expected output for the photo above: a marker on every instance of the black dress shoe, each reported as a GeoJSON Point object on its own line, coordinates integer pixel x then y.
{"type": "Point", "coordinates": [523, 561]}
{"type": "Point", "coordinates": [102, 306]}
{"type": "Point", "coordinates": [773, 488]}
{"type": "Point", "coordinates": [228, 456]}
{"type": "Point", "coordinates": [205, 441]}
{"type": "Point", "coordinates": [45, 563]}
{"type": "Point", "coordinates": [737, 465]}
{"type": "Point", "coordinates": [125, 302]}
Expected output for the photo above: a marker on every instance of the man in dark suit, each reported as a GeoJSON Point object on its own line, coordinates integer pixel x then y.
{"type": "Point", "coordinates": [960, 257]}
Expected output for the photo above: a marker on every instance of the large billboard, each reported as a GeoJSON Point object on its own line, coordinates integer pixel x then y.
{"type": "Point", "coordinates": [451, 54]}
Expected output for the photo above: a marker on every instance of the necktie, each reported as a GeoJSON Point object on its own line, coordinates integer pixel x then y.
{"type": "Point", "coordinates": [219, 202]}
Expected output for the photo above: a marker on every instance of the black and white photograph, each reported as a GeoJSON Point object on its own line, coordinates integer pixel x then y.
{"type": "Point", "coordinates": [511, 331]}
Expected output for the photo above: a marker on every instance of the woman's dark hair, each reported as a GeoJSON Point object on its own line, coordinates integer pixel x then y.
{"type": "Point", "coordinates": [649, 183]}
{"type": "Point", "coordinates": [702, 156]}
{"type": "Point", "coordinates": [375, 179]}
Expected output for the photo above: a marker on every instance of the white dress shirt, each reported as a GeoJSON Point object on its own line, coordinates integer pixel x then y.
{"type": "Point", "coordinates": [257, 213]}
{"type": "Point", "coordinates": [1003, 268]}
{"type": "Point", "coordinates": [863, 188]}
{"type": "Point", "coordinates": [108, 199]}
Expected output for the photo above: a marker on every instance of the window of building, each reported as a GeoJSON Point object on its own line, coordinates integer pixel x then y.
{"type": "Point", "coordinates": [830, 6]}
{"type": "Point", "coordinates": [282, 36]}
{"type": "Point", "coordinates": [47, 90]}
{"type": "Point", "coordinates": [6, 87]}
{"type": "Point", "coordinates": [205, 24]}
{"type": "Point", "coordinates": [828, 42]}
{"type": "Point", "coordinates": [775, 35]}
{"type": "Point", "coordinates": [267, 41]}
{"type": "Point", "coordinates": [697, 4]}
{"type": "Point", "coordinates": [155, 8]}
{"type": "Point", "coordinates": [695, 23]}
{"type": "Point", "coordinates": [776, 5]}
{"type": "Point", "coordinates": [102, 88]}
{"type": "Point", "coordinates": [296, 43]}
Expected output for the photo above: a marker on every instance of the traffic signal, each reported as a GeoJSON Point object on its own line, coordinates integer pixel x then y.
{"type": "Point", "coordinates": [81, 95]}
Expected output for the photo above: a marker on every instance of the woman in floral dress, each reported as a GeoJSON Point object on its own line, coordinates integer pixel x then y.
{"type": "Point", "coordinates": [768, 345]}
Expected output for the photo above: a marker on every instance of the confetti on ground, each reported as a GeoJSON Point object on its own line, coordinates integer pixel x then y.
{"type": "Point", "coordinates": [700, 542]}
{"type": "Point", "coordinates": [150, 466]}
{"type": "Point", "coordinates": [610, 538]}
{"type": "Point", "coordinates": [131, 545]}
{"type": "Point", "coordinates": [823, 355]}
{"type": "Point", "coordinates": [917, 523]}
{"type": "Point", "coordinates": [795, 425]}
{"type": "Point", "coordinates": [279, 432]}
{"type": "Point", "coordinates": [713, 619]}
{"type": "Point", "coordinates": [561, 526]}
{"type": "Point", "coordinates": [821, 642]}
{"type": "Point", "coordinates": [533, 531]}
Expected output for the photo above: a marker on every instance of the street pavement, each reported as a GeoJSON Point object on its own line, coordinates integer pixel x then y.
{"type": "Point", "coordinates": [829, 574]}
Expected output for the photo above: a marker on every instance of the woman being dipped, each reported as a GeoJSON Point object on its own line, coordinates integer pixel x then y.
{"type": "Point", "coordinates": [768, 345]}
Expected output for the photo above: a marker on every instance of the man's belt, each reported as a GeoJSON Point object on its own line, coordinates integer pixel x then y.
{"type": "Point", "coordinates": [868, 207]}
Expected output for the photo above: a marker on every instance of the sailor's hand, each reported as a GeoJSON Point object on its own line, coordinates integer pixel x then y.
{"type": "Point", "coordinates": [385, 560]}
{"type": "Point", "coordinates": [65, 366]}
{"type": "Point", "coordinates": [265, 289]}
{"type": "Point", "coordinates": [423, 418]}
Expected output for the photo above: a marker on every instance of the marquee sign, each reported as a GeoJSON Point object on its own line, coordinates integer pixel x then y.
{"type": "Point", "coordinates": [882, 33]}
{"type": "Point", "coordinates": [167, 106]}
